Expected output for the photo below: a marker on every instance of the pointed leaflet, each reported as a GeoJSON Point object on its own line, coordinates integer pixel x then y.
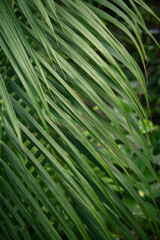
{"type": "Point", "coordinates": [9, 108]}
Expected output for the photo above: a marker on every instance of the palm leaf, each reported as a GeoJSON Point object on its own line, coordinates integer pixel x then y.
{"type": "Point", "coordinates": [59, 64]}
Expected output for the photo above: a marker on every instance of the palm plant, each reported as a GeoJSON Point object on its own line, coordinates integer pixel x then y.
{"type": "Point", "coordinates": [70, 121]}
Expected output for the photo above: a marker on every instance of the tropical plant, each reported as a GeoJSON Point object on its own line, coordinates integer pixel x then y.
{"type": "Point", "coordinates": [72, 128]}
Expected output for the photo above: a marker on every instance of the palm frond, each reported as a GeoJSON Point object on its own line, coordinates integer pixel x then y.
{"type": "Point", "coordinates": [67, 140]}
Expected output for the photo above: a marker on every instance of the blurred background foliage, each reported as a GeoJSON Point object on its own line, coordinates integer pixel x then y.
{"type": "Point", "coordinates": [153, 68]}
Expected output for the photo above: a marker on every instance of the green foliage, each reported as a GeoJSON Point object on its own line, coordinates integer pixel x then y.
{"type": "Point", "coordinates": [75, 151]}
